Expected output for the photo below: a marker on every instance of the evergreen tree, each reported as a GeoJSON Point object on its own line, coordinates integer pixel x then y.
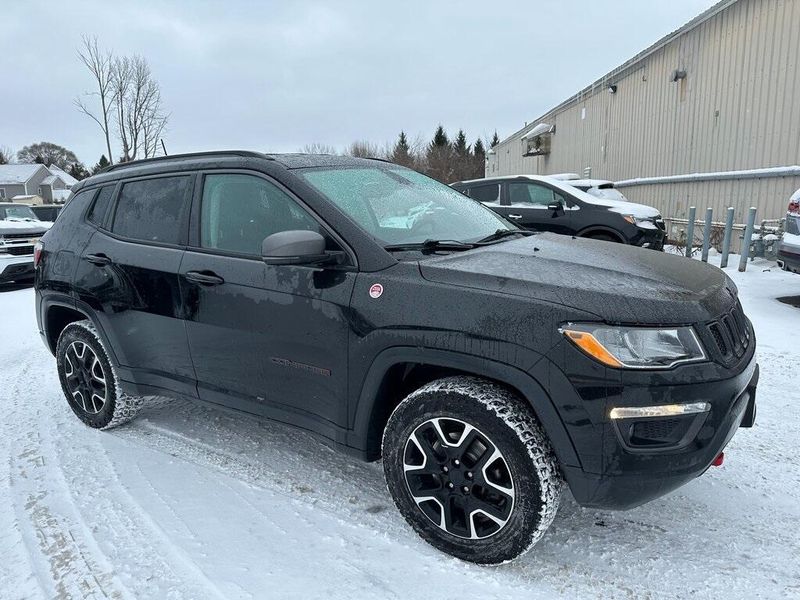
{"type": "Point", "coordinates": [495, 140]}
{"type": "Point", "coordinates": [478, 160]}
{"type": "Point", "coordinates": [39, 160]}
{"type": "Point", "coordinates": [401, 153]}
{"type": "Point", "coordinates": [3, 158]}
{"type": "Point", "coordinates": [439, 156]}
{"type": "Point", "coordinates": [462, 158]}
{"type": "Point", "coordinates": [101, 164]}
{"type": "Point", "coordinates": [440, 139]}
{"type": "Point", "coordinates": [78, 171]}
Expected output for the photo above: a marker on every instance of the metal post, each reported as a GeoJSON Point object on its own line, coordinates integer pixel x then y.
{"type": "Point", "coordinates": [707, 234]}
{"type": "Point", "coordinates": [690, 231]}
{"type": "Point", "coordinates": [748, 235]}
{"type": "Point", "coordinates": [726, 240]}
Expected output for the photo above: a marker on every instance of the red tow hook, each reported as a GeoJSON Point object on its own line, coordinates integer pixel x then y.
{"type": "Point", "coordinates": [719, 460]}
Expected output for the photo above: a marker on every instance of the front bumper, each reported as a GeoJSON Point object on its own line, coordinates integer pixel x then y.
{"type": "Point", "coordinates": [789, 257]}
{"type": "Point", "coordinates": [619, 471]}
{"type": "Point", "coordinates": [649, 238]}
{"type": "Point", "coordinates": [13, 268]}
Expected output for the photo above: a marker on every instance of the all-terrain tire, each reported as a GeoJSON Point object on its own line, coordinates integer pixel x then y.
{"type": "Point", "coordinates": [496, 417]}
{"type": "Point", "coordinates": [117, 407]}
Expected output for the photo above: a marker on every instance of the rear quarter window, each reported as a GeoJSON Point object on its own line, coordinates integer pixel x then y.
{"type": "Point", "coordinates": [97, 214]}
{"type": "Point", "coordinates": [485, 193]}
{"type": "Point", "coordinates": [153, 210]}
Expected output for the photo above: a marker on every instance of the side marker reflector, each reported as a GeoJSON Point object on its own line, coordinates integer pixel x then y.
{"type": "Point", "coordinates": [719, 460]}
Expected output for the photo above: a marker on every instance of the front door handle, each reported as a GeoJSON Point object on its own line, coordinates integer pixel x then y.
{"type": "Point", "coordinates": [515, 217]}
{"type": "Point", "coordinates": [99, 259]}
{"type": "Point", "coordinates": [204, 277]}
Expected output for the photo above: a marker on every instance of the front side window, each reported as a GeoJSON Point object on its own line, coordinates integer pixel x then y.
{"type": "Point", "coordinates": [153, 210]}
{"type": "Point", "coordinates": [531, 194]}
{"type": "Point", "coordinates": [400, 206]}
{"type": "Point", "coordinates": [239, 211]}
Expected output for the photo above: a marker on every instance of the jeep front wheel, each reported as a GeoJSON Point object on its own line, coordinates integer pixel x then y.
{"type": "Point", "coordinates": [471, 470]}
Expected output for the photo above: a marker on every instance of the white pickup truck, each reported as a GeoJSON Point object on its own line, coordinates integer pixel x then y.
{"type": "Point", "coordinates": [19, 232]}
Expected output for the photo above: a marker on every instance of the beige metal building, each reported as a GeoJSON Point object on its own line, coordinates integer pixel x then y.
{"type": "Point", "coordinates": [719, 97]}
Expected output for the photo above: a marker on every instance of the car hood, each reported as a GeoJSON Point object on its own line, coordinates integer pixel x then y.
{"type": "Point", "coordinates": [8, 226]}
{"type": "Point", "coordinates": [618, 283]}
{"type": "Point", "coordinates": [640, 211]}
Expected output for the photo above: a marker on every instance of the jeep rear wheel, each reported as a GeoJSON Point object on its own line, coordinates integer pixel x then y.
{"type": "Point", "coordinates": [471, 470]}
{"type": "Point", "coordinates": [88, 379]}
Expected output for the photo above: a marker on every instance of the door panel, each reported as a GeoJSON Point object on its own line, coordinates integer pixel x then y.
{"type": "Point", "coordinates": [273, 335]}
{"type": "Point", "coordinates": [137, 300]}
{"type": "Point", "coordinates": [527, 204]}
{"type": "Point", "coordinates": [270, 339]}
{"type": "Point", "coordinates": [132, 284]}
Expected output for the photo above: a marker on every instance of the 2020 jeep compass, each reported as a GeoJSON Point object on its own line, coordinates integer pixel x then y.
{"type": "Point", "coordinates": [398, 319]}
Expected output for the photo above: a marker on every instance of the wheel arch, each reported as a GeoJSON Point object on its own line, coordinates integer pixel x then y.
{"type": "Point", "coordinates": [397, 371]}
{"type": "Point", "coordinates": [56, 317]}
{"type": "Point", "coordinates": [594, 229]}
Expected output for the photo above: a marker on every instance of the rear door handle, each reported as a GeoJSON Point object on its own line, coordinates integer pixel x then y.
{"type": "Point", "coordinates": [204, 278]}
{"type": "Point", "coordinates": [100, 259]}
{"type": "Point", "coordinates": [514, 216]}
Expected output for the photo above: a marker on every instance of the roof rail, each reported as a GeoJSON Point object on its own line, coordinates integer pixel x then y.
{"type": "Point", "coordinates": [136, 163]}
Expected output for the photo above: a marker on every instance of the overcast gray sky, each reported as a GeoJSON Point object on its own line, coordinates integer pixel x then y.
{"type": "Point", "coordinates": [277, 75]}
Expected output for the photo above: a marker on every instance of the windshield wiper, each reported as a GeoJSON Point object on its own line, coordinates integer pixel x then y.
{"type": "Point", "coordinates": [430, 246]}
{"type": "Point", "coordinates": [503, 233]}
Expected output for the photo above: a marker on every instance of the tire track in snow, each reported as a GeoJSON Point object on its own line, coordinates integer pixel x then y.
{"type": "Point", "coordinates": [60, 562]}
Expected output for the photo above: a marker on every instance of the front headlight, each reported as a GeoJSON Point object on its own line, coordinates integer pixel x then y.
{"type": "Point", "coordinates": [641, 223]}
{"type": "Point", "coordinates": [636, 347]}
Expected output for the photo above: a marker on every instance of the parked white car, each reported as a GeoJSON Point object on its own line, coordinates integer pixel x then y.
{"type": "Point", "coordinates": [19, 232]}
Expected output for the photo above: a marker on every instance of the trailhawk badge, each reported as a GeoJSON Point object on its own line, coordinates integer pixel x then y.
{"type": "Point", "coordinates": [376, 290]}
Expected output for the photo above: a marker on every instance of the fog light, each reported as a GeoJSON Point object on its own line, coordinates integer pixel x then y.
{"type": "Point", "coordinates": [664, 410]}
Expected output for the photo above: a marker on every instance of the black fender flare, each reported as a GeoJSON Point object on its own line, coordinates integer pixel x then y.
{"type": "Point", "coordinates": [587, 232]}
{"type": "Point", "coordinates": [530, 388]}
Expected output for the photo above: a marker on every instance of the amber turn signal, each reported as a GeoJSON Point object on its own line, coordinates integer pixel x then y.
{"type": "Point", "coordinates": [589, 344]}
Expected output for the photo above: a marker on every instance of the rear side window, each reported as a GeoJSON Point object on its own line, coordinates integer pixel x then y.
{"type": "Point", "coordinates": [485, 193]}
{"type": "Point", "coordinates": [153, 210]}
{"type": "Point", "coordinates": [97, 214]}
{"type": "Point", "coordinates": [530, 193]}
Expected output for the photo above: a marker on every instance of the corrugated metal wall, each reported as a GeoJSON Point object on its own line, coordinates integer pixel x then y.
{"type": "Point", "coordinates": [738, 108]}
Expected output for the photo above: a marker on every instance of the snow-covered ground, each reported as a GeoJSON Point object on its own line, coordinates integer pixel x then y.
{"type": "Point", "coordinates": [192, 501]}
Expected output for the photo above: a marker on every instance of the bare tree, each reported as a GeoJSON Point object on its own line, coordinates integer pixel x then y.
{"type": "Point", "coordinates": [100, 64]}
{"type": "Point", "coordinates": [364, 149]}
{"type": "Point", "coordinates": [6, 155]}
{"type": "Point", "coordinates": [139, 112]}
{"type": "Point", "coordinates": [318, 148]}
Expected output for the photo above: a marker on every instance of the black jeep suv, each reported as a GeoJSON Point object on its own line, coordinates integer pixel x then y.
{"type": "Point", "coordinates": [397, 318]}
{"type": "Point", "coordinates": [542, 203]}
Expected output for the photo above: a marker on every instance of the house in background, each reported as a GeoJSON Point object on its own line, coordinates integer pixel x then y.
{"type": "Point", "coordinates": [51, 184]}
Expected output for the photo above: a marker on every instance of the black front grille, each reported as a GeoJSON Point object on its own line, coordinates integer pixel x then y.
{"type": "Point", "coordinates": [21, 236]}
{"type": "Point", "coordinates": [731, 333]}
{"type": "Point", "coordinates": [660, 224]}
{"type": "Point", "coordinates": [19, 250]}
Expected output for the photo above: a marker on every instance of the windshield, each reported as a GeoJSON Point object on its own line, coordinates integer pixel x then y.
{"type": "Point", "coordinates": [17, 213]}
{"type": "Point", "coordinates": [607, 194]}
{"type": "Point", "coordinates": [400, 206]}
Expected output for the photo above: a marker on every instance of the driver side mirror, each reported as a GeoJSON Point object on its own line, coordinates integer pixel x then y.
{"type": "Point", "coordinates": [297, 247]}
{"type": "Point", "coordinates": [556, 207]}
